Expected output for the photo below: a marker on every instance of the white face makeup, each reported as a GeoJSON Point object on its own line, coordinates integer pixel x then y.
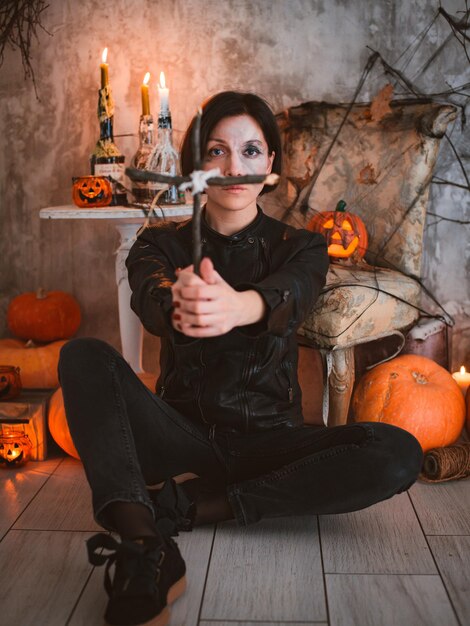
{"type": "Point", "coordinates": [237, 147]}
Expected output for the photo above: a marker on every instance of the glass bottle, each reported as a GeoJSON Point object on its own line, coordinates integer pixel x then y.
{"type": "Point", "coordinates": [165, 159]}
{"type": "Point", "coordinates": [106, 159]}
{"type": "Point", "coordinates": [144, 192]}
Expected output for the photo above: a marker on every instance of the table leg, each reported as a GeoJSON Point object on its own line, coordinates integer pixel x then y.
{"type": "Point", "coordinates": [130, 327]}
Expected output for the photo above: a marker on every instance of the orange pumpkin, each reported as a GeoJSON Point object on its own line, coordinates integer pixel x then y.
{"type": "Point", "coordinates": [345, 233]}
{"type": "Point", "coordinates": [44, 316]}
{"type": "Point", "coordinates": [416, 394]}
{"type": "Point", "coordinates": [58, 426]}
{"type": "Point", "coordinates": [92, 191]}
{"type": "Point", "coordinates": [38, 364]}
{"type": "Point", "coordinates": [57, 420]}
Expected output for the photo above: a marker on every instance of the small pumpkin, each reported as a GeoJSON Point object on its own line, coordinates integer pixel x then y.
{"type": "Point", "coordinates": [10, 382]}
{"type": "Point", "coordinates": [57, 420]}
{"type": "Point", "coordinates": [44, 315]}
{"type": "Point", "coordinates": [15, 447]}
{"type": "Point", "coordinates": [345, 233]}
{"type": "Point", "coordinates": [91, 191]}
{"type": "Point", "coordinates": [416, 394]}
{"type": "Point", "coordinates": [38, 364]}
{"type": "Point", "coordinates": [58, 426]}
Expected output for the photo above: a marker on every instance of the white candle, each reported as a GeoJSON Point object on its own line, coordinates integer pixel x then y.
{"type": "Point", "coordinates": [462, 379]}
{"type": "Point", "coordinates": [164, 93]}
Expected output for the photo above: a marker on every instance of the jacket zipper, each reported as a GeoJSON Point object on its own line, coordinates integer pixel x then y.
{"type": "Point", "coordinates": [260, 265]}
{"type": "Point", "coordinates": [167, 377]}
{"type": "Point", "coordinates": [290, 390]}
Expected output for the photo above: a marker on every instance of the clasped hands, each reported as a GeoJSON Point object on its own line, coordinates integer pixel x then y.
{"type": "Point", "coordinates": [207, 306]}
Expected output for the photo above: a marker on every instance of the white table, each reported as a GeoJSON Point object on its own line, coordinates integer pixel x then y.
{"type": "Point", "coordinates": [127, 221]}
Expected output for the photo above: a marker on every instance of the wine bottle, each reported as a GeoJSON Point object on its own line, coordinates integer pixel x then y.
{"type": "Point", "coordinates": [106, 159]}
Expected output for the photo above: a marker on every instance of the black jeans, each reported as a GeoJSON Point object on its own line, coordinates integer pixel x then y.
{"type": "Point", "coordinates": [128, 438]}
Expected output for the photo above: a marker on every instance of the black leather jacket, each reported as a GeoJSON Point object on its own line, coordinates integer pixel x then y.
{"type": "Point", "coordinates": [246, 379]}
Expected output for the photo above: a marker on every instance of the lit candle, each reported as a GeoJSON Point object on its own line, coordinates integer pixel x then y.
{"type": "Point", "coordinates": [164, 95]}
{"type": "Point", "coordinates": [104, 69]}
{"type": "Point", "coordinates": [144, 90]}
{"type": "Point", "coordinates": [462, 379]}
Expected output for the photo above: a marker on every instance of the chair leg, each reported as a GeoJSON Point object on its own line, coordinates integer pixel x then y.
{"type": "Point", "coordinates": [341, 382]}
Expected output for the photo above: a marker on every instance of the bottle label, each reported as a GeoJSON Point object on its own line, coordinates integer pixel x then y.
{"type": "Point", "coordinates": [116, 170]}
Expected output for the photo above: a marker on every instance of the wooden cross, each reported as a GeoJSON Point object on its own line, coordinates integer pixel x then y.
{"type": "Point", "coordinates": [210, 179]}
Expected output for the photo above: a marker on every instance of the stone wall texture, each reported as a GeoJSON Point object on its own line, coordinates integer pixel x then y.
{"type": "Point", "coordinates": [288, 51]}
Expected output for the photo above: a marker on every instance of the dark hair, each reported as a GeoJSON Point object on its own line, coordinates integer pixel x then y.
{"type": "Point", "coordinates": [230, 104]}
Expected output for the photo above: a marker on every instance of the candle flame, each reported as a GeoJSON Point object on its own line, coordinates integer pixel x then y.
{"type": "Point", "coordinates": [162, 80]}
{"type": "Point", "coordinates": [462, 370]}
{"type": "Point", "coordinates": [104, 56]}
{"type": "Point", "coordinates": [146, 78]}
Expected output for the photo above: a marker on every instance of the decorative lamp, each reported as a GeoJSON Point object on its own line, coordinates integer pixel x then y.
{"type": "Point", "coordinates": [10, 382]}
{"type": "Point", "coordinates": [15, 447]}
{"type": "Point", "coordinates": [345, 232]}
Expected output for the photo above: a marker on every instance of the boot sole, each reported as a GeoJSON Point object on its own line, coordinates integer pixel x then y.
{"type": "Point", "coordinates": [162, 619]}
{"type": "Point", "coordinates": [173, 594]}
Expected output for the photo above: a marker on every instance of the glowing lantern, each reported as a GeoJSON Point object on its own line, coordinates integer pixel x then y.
{"type": "Point", "coordinates": [15, 447]}
{"type": "Point", "coordinates": [10, 382]}
{"type": "Point", "coordinates": [91, 191]}
{"type": "Point", "coordinates": [345, 233]}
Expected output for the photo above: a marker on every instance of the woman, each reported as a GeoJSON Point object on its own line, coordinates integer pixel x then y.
{"type": "Point", "coordinates": [227, 406]}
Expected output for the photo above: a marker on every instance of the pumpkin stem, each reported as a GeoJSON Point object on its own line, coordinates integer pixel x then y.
{"type": "Point", "coordinates": [30, 344]}
{"type": "Point", "coordinates": [341, 206]}
{"type": "Point", "coordinates": [419, 378]}
{"type": "Point", "coordinates": [41, 293]}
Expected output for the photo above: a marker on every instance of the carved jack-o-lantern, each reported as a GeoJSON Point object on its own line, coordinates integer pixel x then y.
{"type": "Point", "coordinates": [10, 382]}
{"type": "Point", "coordinates": [15, 448]}
{"type": "Point", "coordinates": [345, 233]}
{"type": "Point", "coordinates": [92, 191]}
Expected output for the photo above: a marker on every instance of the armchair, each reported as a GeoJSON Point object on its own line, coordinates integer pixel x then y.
{"type": "Point", "coordinates": [382, 169]}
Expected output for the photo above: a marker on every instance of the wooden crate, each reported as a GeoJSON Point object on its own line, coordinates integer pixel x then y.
{"type": "Point", "coordinates": [28, 412]}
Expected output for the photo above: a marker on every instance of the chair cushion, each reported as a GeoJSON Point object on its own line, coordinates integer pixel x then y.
{"type": "Point", "coordinates": [358, 305]}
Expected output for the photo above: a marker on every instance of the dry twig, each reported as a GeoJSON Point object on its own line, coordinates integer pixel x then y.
{"type": "Point", "coordinates": [19, 20]}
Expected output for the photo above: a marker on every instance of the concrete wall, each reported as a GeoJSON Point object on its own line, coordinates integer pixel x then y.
{"type": "Point", "coordinates": [288, 51]}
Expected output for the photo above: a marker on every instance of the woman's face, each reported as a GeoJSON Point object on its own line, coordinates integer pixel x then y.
{"type": "Point", "coordinates": [237, 147]}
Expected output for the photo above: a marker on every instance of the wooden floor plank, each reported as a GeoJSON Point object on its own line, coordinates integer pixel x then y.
{"type": "Point", "coordinates": [63, 504]}
{"type": "Point", "coordinates": [19, 486]}
{"type": "Point", "coordinates": [383, 539]}
{"type": "Point", "coordinates": [244, 623]}
{"type": "Point", "coordinates": [268, 572]}
{"type": "Point", "coordinates": [453, 560]}
{"type": "Point", "coordinates": [195, 549]}
{"type": "Point", "coordinates": [42, 575]}
{"type": "Point", "coordinates": [443, 508]}
{"type": "Point", "coordinates": [401, 600]}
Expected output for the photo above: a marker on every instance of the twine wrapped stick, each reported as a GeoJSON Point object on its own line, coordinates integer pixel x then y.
{"type": "Point", "coordinates": [448, 463]}
{"type": "Point", "coordinates": [197, 181]}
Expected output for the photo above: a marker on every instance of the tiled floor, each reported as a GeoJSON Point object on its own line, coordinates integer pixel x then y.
{"type": "Point", "coordinates": [405, 561]}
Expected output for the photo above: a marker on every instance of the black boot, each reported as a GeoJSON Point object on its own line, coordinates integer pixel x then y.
{"type": "Point", "coordinates": [147, 577]}
{"type": "Point", "coordinates": [174, 506]}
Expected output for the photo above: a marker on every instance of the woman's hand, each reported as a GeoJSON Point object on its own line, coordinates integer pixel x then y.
{"type": "Point", "coordinates": [207, 306]}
